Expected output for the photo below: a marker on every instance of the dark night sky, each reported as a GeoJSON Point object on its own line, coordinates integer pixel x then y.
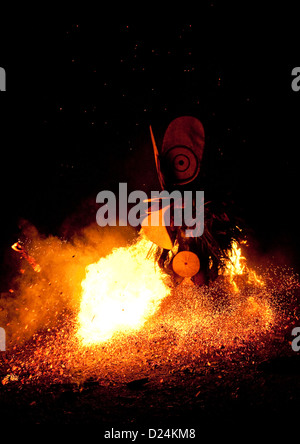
{"type": "Point", "coordinates": [80, 98]}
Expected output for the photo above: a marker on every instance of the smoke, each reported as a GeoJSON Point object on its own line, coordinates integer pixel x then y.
{"type": "Point", "coordinates": [45, 300]}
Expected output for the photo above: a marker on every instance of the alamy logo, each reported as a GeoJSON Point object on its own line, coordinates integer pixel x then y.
{"type": "Point", "coordinates": [2, 79]}
{"type": "Point", "coordinates": [296, 80]}
{"type": "Point", "coordinates": [2, 339]}
{"type": "Point", "coordinates": [161, 208]}
{"type": "Point", "coordinates": [296, 340]}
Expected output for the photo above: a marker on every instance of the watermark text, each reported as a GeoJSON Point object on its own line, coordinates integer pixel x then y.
{"type": "Point", "coordinates": [296, 340]}
{"type": "Point", "coordinates": [2, 339]}
{"type": "Point", "coordinates": [133, 435]}
{"type": "Point", "coordinates": [161, 208]}
{"type": "Point", "coordinates": [2, 79]}
{"type": "Point", "coordinates": [296, 79]}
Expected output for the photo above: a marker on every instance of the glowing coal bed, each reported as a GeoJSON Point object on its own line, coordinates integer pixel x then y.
{"type": "Point", "coordinates": [120, 317]}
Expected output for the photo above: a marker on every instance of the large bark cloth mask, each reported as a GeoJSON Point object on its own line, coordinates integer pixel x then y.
{"type": "Point", "coordinates": [177, 163]}
{"type": "Point", "coordinates": [182, 151]}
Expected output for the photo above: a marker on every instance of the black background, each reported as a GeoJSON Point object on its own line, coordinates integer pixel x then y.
{"type": "Point", "coordinates": [81, 96]}
{"type": "Point", "coordinates": [75, 120]}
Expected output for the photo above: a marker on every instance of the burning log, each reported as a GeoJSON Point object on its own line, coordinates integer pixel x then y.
{"type": "Point", "coordinates": [20, 249]}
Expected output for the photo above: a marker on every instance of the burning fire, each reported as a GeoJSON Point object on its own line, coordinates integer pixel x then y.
{"type": "Point", "coordinates": [120, 292]}
{"type": "Point", "coordinates": [82, 315]}
{"type": "Point", "coordinates": [124, 289]}
{"type": "Point", "coordinates": [236, 265]}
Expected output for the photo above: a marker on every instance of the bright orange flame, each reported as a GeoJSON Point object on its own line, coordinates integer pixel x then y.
{"type": "Point", "coordinates": [236, 265]}
{"type": "Point", "coordinates": [120, 292]}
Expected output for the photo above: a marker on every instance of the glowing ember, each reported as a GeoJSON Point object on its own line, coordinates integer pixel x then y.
{"type": "Point", "coordinates": [120, 292]}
